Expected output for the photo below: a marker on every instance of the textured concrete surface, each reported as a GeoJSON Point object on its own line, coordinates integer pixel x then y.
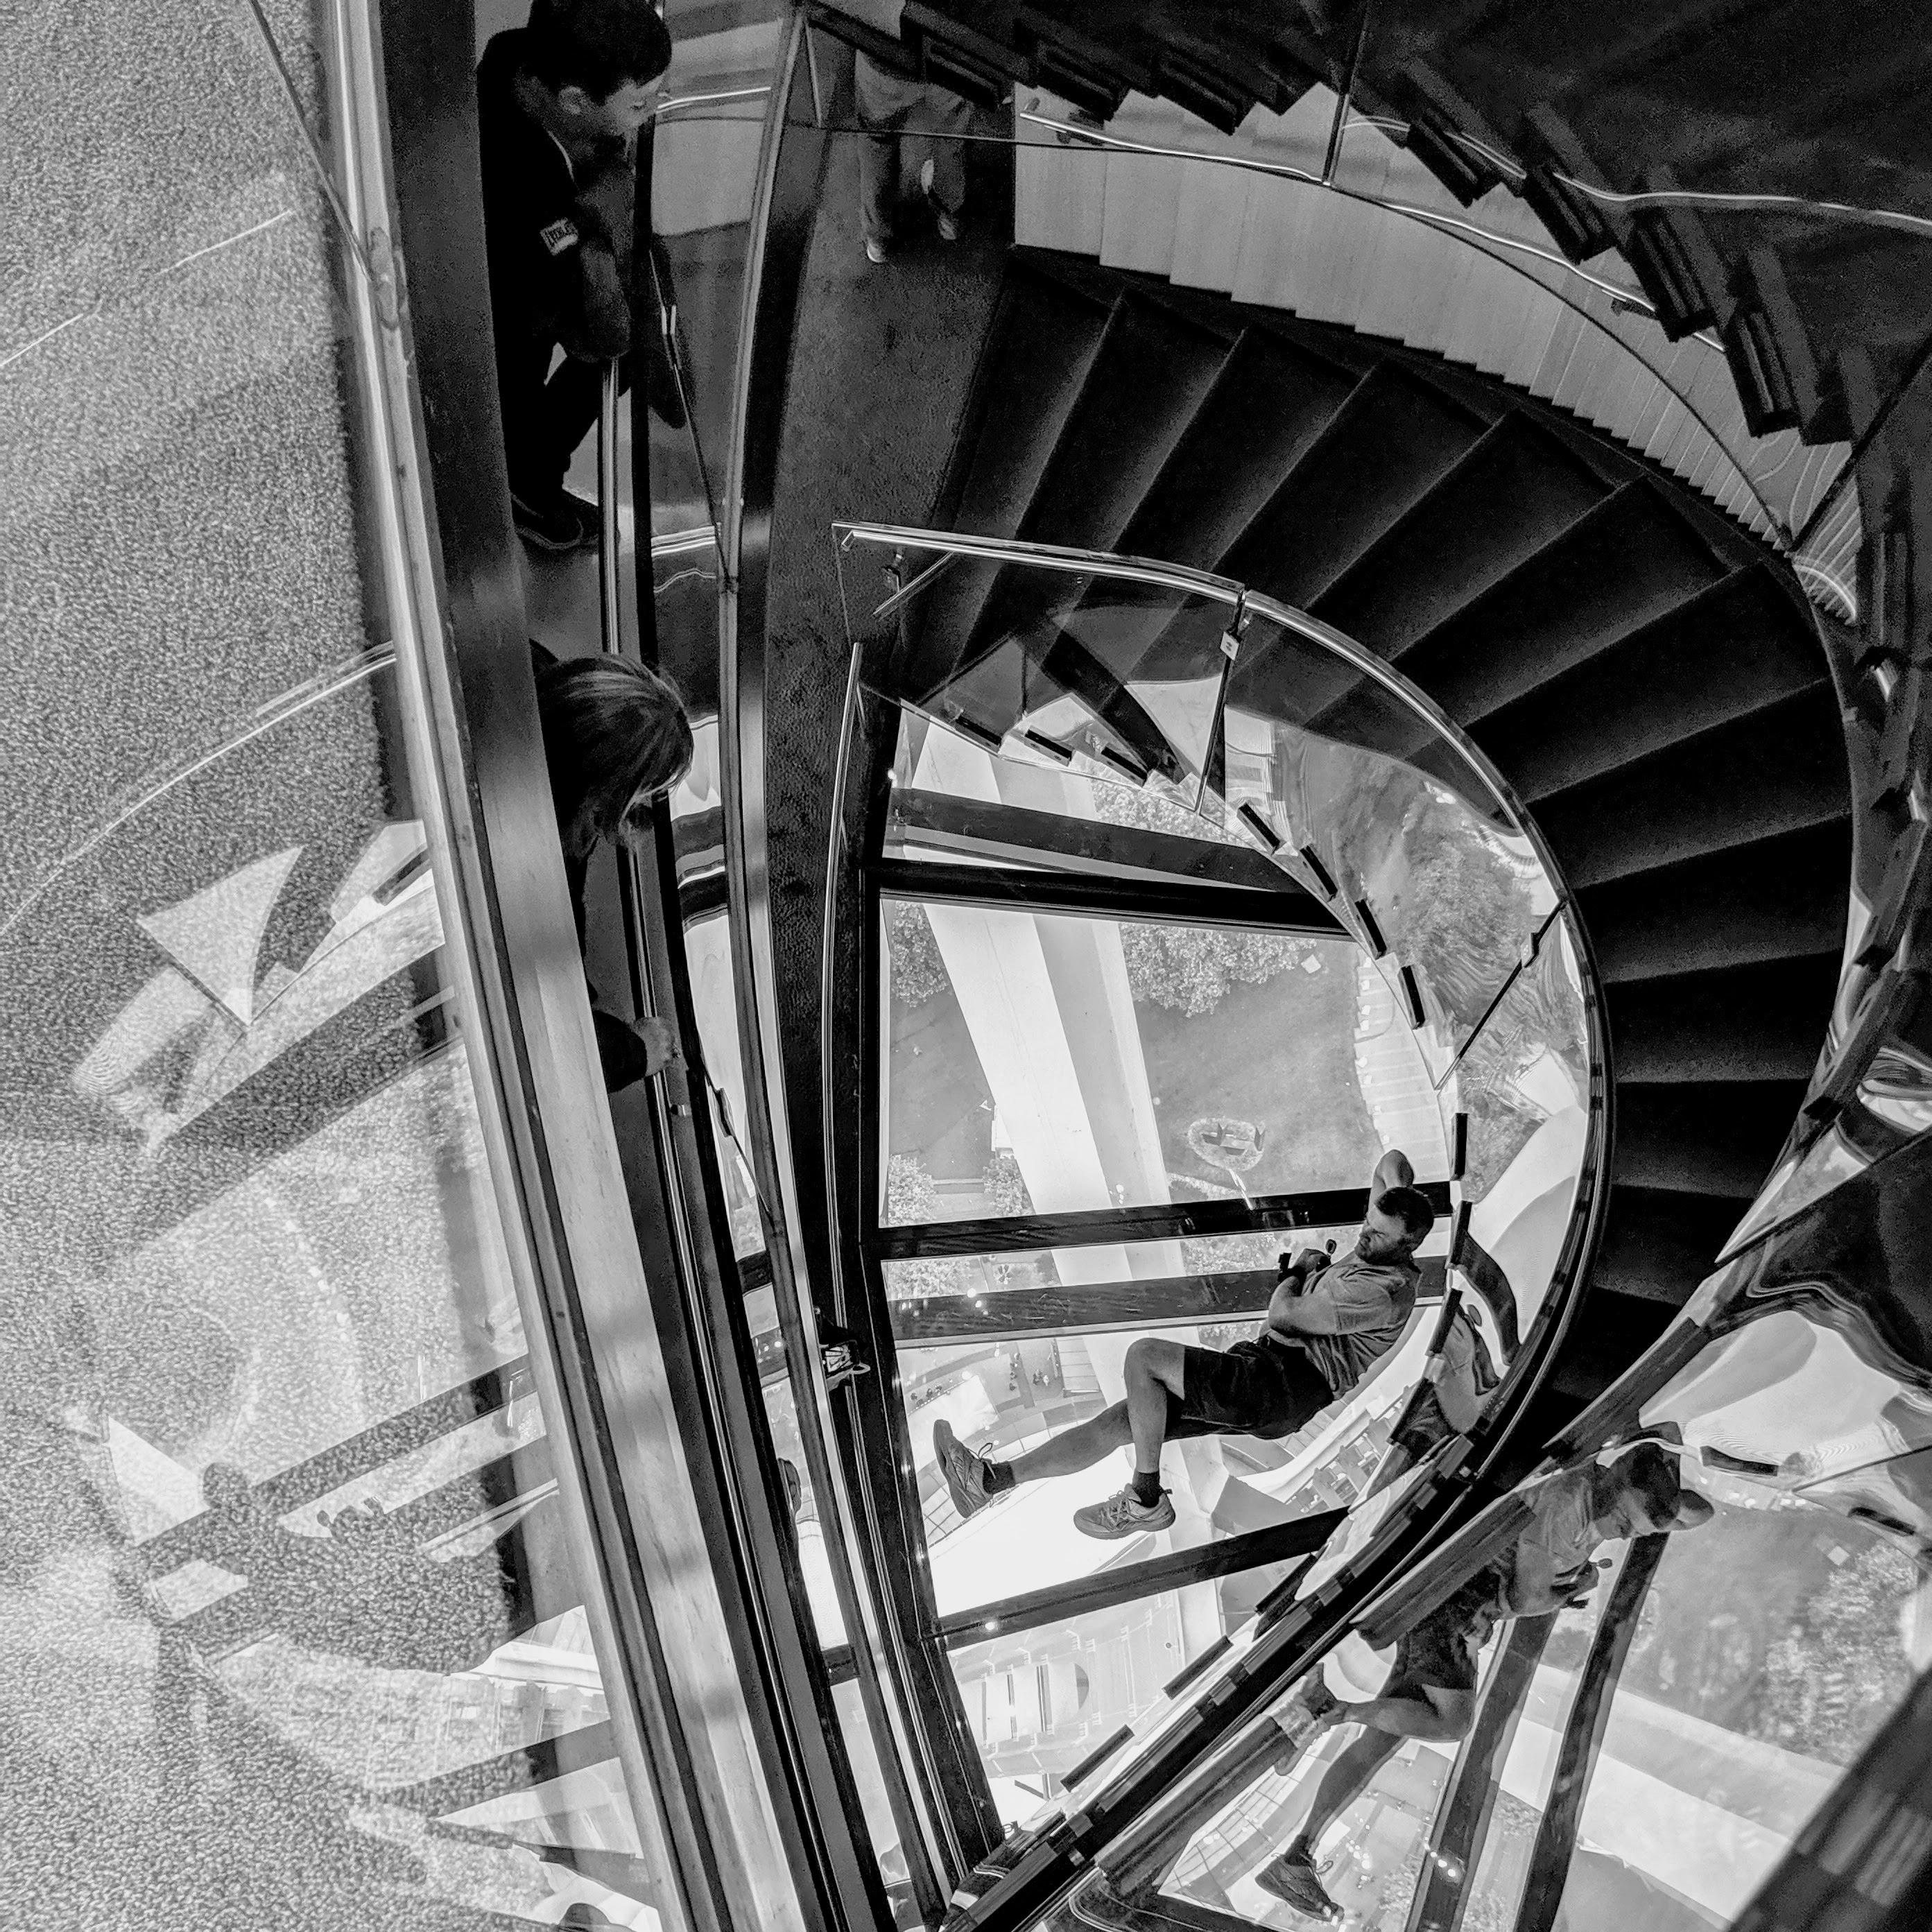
{"type": "Point", "coordinates": [221, 1717]}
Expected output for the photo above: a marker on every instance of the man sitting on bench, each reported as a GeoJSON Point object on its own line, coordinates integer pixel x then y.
{"type": "Point", "coordinates": [1327, 1325]}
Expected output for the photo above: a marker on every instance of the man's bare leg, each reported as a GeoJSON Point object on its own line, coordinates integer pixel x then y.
{"type": "Point", "coordinates": [1153, 1371]}
{"type": "Point", "coordinates": [1074, 1449]}
{"type": "Point", "coordinates": [1439, 1716]}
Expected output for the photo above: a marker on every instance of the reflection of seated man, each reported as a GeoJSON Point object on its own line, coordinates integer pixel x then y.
{"type": "Point", "coordinates": [1431, 1692]}
{"type": "Point", "coordinates": [1321, 1336]}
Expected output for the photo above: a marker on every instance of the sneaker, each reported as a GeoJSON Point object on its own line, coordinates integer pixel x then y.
{"type": "Point", "coordinates": [944, 219]}
{"type": "Point", "coordinates": [965, 1473]}
{"type": "Point", "coordinates": [875, 251]}
{"type": "Point", "coordinates": [1291, 1879]}
{"type": "Point", "coordinates": [1123, 1514]}
{"type": "Point", "coordinates": [556, 522]}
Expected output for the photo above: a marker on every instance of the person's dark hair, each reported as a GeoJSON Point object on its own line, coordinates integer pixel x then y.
{"type": "Point", "coordinates": [597, 45]}
{"type": "Point", "coordinates": [1410, 1205]}
{"type": "Point", "coordinates": [612, 730]}
{"type": "Point", "coordinates": [1650, 1474]}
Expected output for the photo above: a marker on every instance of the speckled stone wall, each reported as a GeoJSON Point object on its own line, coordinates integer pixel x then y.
{"type": "Point", "coordinates": [290, 1638]}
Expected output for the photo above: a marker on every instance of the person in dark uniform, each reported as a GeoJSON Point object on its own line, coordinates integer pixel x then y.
{"type": "Point", "coordinates": [559, 102]}
{"type": "Point", "coordinates": [1327, 1325]}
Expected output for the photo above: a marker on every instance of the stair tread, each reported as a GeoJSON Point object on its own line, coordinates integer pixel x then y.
{"type": "Point", "coordinates": [1392, 440]}
{"type": "Point", "coordinates": [1454, 544]}
{"type": "Point", "coordinates": [1765, 1021]}
{"type": "Point", "coordinates": [1776, 898]}
{"type": "Point", "coordinates": [1778, 769]}
{"type": "Point", "coordinates": [1637, 556]}
{"type": "Point", "coordinates": [1734, 651]}
{"type": "Point", "coordinates": [1270, 402]}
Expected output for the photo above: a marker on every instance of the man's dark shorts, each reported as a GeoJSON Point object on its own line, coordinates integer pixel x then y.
{"type": "Point", "coordinates": [1254, 1388]}
{"type": "Point", "coordinates": [1440, 1653]}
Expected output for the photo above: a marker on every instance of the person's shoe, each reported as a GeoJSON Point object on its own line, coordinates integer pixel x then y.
{"type": "Point", "coordinates": [557, 523]}
{"type": "Point", "coordinates": [965, 1473]}
{"type": "Point", "coordinates": [944, 218]}
{"type": "Point", "coordinates": [875, 251]}
{"type": "Point", "coordinates": [1291, 1879]}
{"type": "Point", "coordinates": [1123, 1514]}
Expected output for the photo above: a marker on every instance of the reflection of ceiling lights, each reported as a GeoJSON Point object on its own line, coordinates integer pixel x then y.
{"type": "Point", "coordinates": [206, 1023]}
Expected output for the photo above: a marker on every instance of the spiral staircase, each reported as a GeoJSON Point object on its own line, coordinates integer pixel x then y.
{"type": "Point", "coordinates": [1645, 673]}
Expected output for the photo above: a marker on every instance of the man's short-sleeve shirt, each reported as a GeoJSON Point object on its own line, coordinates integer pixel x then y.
{"type": "Point", "coordinates": [1563, 1523]}
{"type": "Point", "coordinates": [1372, 1302]}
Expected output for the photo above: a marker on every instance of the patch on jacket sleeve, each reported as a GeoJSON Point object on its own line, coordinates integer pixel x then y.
{"type": "Point", "coordinates": [559, 236]}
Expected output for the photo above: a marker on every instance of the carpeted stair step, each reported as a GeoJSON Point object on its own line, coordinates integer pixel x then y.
{"type": "Point", "coordinates": [1148, 376]}
{"type": "Point", "coordinates": [1779, 898]}
{"type": "Point", "coordinates": [1658, 1244]}
{"type": "Point", "coordinates": [1514, 493]}
{"type": "Point", "coordinates": [1731, 651]}
{"type": "Point", "coordinates": [1151, 372]}
{"type": "Point", "coordinates": [1042, 337]}
{"type": "Point", "coordinates": [1630, 560]}
{"type": "Point", "coordinates": [1749, 1023]}
{"type": "Point", "coordinates": [1610, 1330]}
{"type": "Point", "coordinates": [1387, 446]}
{"type": "Point", "coordinates": [1269, 402]}
{"type": "Point", "coordinates": [1717, 1138]}
{"type": "Point", "coordinates": [1775, 769]}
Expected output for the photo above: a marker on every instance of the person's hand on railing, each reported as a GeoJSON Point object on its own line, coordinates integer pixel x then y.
{"type": "Point", "coordinates": [661, 1050]}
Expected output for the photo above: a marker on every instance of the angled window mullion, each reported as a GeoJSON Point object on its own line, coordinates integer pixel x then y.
{"type": "Point", "coordinates": [1106, 1226]}
{"type": "Point", "coordinates": [1292, 908]}
{"type": "Point", "coordinates": [1583, 1737]}
{"type": "Point", "coordinates": [1469, 1797]}
{"type": "Point", "coordinates": [1280, 1543]}
{"type": "Point", "coordinates": [938, 821]}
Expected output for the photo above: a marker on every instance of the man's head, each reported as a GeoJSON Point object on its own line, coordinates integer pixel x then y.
{"type": "Point", "coordinates": [1395, 1225]}
{"type": "Point", "coordinates": [1641, 1494]}
{"type": "Point", "coordinates": [600, 60]}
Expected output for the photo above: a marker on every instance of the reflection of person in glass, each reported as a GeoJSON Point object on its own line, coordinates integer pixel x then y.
{"type": "Point", "coordinates": [559, 105]}
{"type": "Point", "coordinates": [1327, 1325]}
{"type": "Point", "coordinates": [617, 739]}
{"type": "Point", "coordinates": [890, 107]}
{"type": "Point", "coordinates": [1431, 1691]}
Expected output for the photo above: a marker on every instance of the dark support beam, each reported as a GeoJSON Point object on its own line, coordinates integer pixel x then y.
{"type": "Point", "coordinates": [934, 821]}
{"type": "Point", "coordinates": [1087, 1307]}
{"type": "Point", "coordinates": [1332, 1208]}
{"type": "Point", "coordinates": [1469, 1799]}
{"type": "Point", "coordinates": [1583, 1737]}
{"type": "Point", "coordinates": [1144, 902]}
{"type": "Point", "coordinates": [1281, 1542]}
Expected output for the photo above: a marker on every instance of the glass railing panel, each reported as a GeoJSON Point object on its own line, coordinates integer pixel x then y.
{"type": "Point", "coordinates": [1524, 1083]}
{"type": "Point", "coordinates": [1112, 1063]}
{"type": "Point", "coordinates": [1426, 861]}
{"type": "Point", "coordinates": [1011, 1288]}
{"type": "Point", "coordinates": [1113, 678]}
{"type": "Point", "coordinates": [1007, 1397]}
{"type": "Point", "coordinates": [1773, 1644]}
{"type": "Point", "coordinates": [1040, 1702]}
{"type": "Point", "coordinates": [955, 800]}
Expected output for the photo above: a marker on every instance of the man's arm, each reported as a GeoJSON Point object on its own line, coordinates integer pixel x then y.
{"type": "Point", "coordinates": [606, 216]}
{"type": "Point", "coordinates": [1393, 1170]}
{"type": "Point", "coordinates": [1295, 1310]}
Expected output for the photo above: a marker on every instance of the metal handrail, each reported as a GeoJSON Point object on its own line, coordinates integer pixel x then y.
{"type": "Point", "coordinates": [1070, 562]}
{"type": "Point", "coordinates": [1486, 240]}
